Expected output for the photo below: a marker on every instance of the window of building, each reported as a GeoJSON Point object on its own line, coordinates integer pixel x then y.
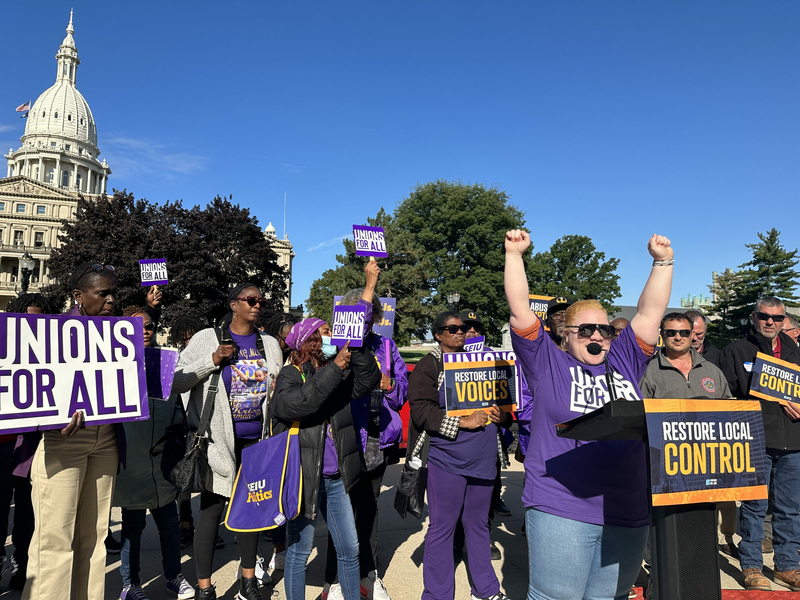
{"type": "Point", "coordinates": [55, 115]}
{"type": "Point", "coordinates": [69, 117]}
{"type": "Point", "coordinates": [40, 210]}
{"type": "Point", "coordinates": [44, 114]}
{"type": "Point", "coordinates": [18, 237]}
{"type": "Point", "coordinates": [2, 205]}
{"type": "Point", "coordinates": [52, 144]}
{"type": "Point", "coordinates": [80, 150]}
{"type": "Point", "coordinates": [51, 175]}
{"type": "Point", "coordinates": [78, 179]}
{"type": "Point", "coordinates": [20, 208]}
{"type": "Point", "coordinates": [68, 147]}
{"type": "Point", "coordinates": [64, 178]}
{"type": "Point", "coordinates": [38, 239]}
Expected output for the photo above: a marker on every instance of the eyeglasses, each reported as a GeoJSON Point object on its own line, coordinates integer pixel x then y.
{"type": "Point", "coordinates": [149, 326]}
{"type": "Point", "coordinates": [252, 301]}
{"type": "Point", "coordinates": [607, 332]}
{"type": "Point", "coordinates": [97, 268]}
{"type": "Point", "coordinates": [766, 317]}
{"type": "Point", "coordinates": [453, 329]}
{"type": "Point", "coordinates": [684, 333]}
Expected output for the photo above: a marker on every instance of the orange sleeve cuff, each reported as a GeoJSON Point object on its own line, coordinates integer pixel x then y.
{"type": "Point", "coordinates": [646, 348]}
{"type": "Point", "coordinates": [531, 333]}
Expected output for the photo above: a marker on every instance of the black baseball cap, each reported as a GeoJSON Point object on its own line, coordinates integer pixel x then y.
{"type": "Point", "coordinates": [558, 303]}
{"type": "Point", "coordinates": [470, 316]}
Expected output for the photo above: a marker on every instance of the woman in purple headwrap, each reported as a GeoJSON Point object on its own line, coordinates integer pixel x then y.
{"type": "Point", "coordinates": [316, 390]}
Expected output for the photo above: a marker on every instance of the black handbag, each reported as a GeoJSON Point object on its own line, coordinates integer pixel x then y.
{"type": "Point", "coordinates": [410, 496]}
{"type": "Point", "coordinates": [189, 472]}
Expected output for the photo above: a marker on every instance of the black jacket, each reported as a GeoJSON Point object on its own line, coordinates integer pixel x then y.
{"type": "Point", "coordinates": [711, 353]}
{"type": "Point", "coordinates": [325, 395]}
{"type": "Point", "coordinates": [781, 432]}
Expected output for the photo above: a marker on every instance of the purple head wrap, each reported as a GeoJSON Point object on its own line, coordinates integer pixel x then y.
{"type": "Point", "coordinates": [302, 331]}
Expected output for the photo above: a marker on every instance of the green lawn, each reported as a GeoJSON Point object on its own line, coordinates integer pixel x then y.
{"type": "Point", "coordinates": [412, 356]}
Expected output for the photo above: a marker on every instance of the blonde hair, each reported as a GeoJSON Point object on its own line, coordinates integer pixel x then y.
{"type": "Point", "coordinates": [580, 306]}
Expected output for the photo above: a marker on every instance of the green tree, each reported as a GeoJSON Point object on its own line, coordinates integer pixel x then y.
{"type": "Point", "coordinates": [574, 267]}
{"type": "Point", "coordinates": [207, 250]}
{"type": "Point", "coordinates": [724, 327]}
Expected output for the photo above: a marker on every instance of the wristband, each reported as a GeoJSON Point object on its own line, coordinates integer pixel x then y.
{"type": "Point", "coordinates": [664, 263]}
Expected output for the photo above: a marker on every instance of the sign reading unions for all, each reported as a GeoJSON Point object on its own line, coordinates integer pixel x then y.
{"type": "Point", "coordinates": [54, 365]}
{"type": "Point", "coordinates": [384, 327]}
{"type": "Point", "coordinates": [154, 271]}
{"type": "Point", "coordinates": [370, 241]}
{"type": "Point", "coordinates": [477, 380]}
{"type": "Point", "coordinates": [349, 324]}
{"type": "Point", "coordinates": [705, 451]}
{"type": "Point", "coordinates": [775, 379]}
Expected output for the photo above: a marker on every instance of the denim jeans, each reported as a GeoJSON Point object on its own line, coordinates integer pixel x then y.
{"type": "Point", "coordinates": [334, 505]}
{"type": "Point", "coordinates": [783, 470]}
{"type": "Point", "coordinates": [570, 560]}
{"type": "Point", "coordinates": [133, 522]}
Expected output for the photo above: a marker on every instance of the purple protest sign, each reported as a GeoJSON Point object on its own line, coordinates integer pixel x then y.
{"type": "Point", "coordinates": [159, 366]}
{"type": "Point", "coordinates": [349, 324]}
{"type": "Point", "coordinates": [154, 271]}
{"type": "Point", "coordinates": [370, 241]}
{"type": "Point", "coordinates": [474, 344]}
{"type": "Point", "coordinates": [384, 327]}
{"type": "Point", "coordinates": [54, 365]}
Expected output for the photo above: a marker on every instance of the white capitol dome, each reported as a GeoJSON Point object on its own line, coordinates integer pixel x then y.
{"type": "Point", "coordinates": [59, 146]}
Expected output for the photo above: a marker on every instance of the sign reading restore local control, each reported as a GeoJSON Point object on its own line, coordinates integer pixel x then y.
{"type": "Point", "coordinates": [54, 365]}
{"type": "Point", "coordinates": [775, 379]}
{"type": "Point", "coordinates": [705, 451]}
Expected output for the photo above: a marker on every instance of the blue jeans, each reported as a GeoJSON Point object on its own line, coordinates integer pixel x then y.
{"type": "Point", "coordinates": [570, 560]}
{"type": "Point", "coordinates": [334, 505]}
{"type": "Point", "coordinates": [783, 470]}
{"type": "Point", "coordinates": [133, 522]}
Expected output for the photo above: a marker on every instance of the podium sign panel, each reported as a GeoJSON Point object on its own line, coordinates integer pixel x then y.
{"type": "Point", "coordinates": [705, 451]}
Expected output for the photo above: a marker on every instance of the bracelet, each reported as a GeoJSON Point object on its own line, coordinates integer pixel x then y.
{"type": "Point", "coordinates": [664, 263]}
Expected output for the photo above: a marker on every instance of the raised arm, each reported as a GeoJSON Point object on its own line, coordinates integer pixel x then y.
{"type": "Point", "coordinates": [655, 295]}
{"type": "Point", "coordinates": [516, 282]}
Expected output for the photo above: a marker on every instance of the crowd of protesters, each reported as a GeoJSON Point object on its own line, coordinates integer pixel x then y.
{"type": "Point", "coordinates": [587, 519]}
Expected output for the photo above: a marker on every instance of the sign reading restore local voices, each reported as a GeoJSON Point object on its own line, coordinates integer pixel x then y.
{"type": "Point", "coordinates": [54, 365]}
{"type": "Point", "coordinates": [705, 451]}
{"type": "Point", "coordinates": [477, 380]}
{"type": "Point", "coordinates": [775, 379]}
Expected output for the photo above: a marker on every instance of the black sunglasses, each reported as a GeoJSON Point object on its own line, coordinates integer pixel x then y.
{"type": "Point", "coordinates": [684, 333]}
{"type": "Point", "coordinates": [607, 332]}
{"type": "Point", "coordinates": [252, 301]}
{"type": "Point", "coordinates": [97, 268]}
{"type": "Point", "coordinates": [766, 317]}
{"type": "Point", "coordinates": [453, 329]}
{"type": "Point", "coordinates": [149, 327]}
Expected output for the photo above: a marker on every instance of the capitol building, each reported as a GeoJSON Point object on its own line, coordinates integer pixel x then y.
{"type": "Point", "coordinates": [58, 162]}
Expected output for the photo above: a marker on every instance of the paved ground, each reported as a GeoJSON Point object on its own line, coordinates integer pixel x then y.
{"type": "Point", "coordinates": [400, 554]}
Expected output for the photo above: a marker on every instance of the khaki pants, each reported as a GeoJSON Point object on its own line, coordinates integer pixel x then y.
{"type": "Point", "coordinates": [726, 522]}
{"type": "Point", "coordinates": [73, 482]}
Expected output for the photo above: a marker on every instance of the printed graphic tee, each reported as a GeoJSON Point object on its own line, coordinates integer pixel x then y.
{"type": "Point", "coordinates": [246, 382]}
{"type": "Point", "coordinates": [602, 483]}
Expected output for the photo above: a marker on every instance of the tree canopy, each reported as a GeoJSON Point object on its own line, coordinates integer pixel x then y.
{"type": "Point", "coordinates": [207, 250]}
{"type": "Point", "coordinates": [447, 237]}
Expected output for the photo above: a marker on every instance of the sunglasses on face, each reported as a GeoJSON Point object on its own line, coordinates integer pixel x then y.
{"type": "Point", "coordinates": [252, 301]}
{"type": "Point", "coordinates": [149, 327]}
{"type": "Point", "coordinates": [453, 329]}
{"type": "Point", "coordinates": [684, 333]}
{"type": "Point", "coordinates": [766, 317]}
{"type": "Point", "coordinates": [97, 268]}
{"type": "Point", "coordinates": [607, 332]}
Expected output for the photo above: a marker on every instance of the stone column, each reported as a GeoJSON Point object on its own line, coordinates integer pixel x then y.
{"type": "Point", "coordinates": [41, 169]}
{"type": "Point", "coordinates": [103, 188]}
{"type": "Point", "coordinates": [8, 172]}
{"type": "Point", "coordinates": [57, 176]}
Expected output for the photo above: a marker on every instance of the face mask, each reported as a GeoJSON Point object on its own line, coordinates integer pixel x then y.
{"type": "Point", "coordinates": [328, 349]}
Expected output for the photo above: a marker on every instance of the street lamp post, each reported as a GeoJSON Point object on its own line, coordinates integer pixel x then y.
{"type": "Point", "coordinates": [26, 266]}
{"type": "Point", "coordinates": [452, 299]}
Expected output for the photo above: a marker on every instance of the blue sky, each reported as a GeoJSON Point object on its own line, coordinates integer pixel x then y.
{"type": "Point", "coordinates": [612, 119]}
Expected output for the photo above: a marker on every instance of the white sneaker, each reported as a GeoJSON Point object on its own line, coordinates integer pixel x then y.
{"type": "Point", "coordinates": [497, 596]}
{"type": "Point", "coordinates": [262, 576]}
{"type": "Point", "coordinates": [335, 593]}
{"type": "Point", "coordinates": [278, 561]}
{"type": "Point", "coordinates": [372, 587]}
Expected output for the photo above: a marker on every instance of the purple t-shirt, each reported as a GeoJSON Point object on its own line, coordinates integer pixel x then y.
{"type": "Point", "coordinates": [603, 483]}
{"type": "Point", "coordinates": [246, 383]}
{"type": "Point", "coordinates": [330, 457]}
{"type": "Point", "coordinates": [472, 454]}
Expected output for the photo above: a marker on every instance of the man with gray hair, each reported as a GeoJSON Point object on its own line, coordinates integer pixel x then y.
{"type": "Point", "coordinates": [791, 327]}
{"type": "Point", "coordinates": [699, 341]}
{"type": "Point", "coordinates": [782, 433]}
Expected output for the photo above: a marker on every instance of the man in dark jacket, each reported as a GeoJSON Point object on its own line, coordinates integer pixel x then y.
{"type": "Point", "coordinates": [699, 341]}
{"type": "Point", "coordinates": [782, 432]}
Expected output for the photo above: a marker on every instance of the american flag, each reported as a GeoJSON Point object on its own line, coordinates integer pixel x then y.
{"type": "Point", "coordinates": [24, 107]}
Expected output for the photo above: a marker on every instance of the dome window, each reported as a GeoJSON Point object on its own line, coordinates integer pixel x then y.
{"type": "Point", "coordinates": [69, 117]}
{"type": "Point", "coordinates": [55, 116]}
{"type": "Point", "coordinates": [81, 120]}
{"type": "Point", "coordinates": [44, 114]}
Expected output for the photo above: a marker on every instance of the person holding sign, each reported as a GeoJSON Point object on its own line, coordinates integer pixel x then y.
{"type": "Point", "coordinates": [587, 515]}
{"type": "Point", "coordinates": [72, 479]}
{"type": "Point", "coordinates": [782, 440]}
{"type": "Point", "coordinates": [248, 362]}
{"type": "Point", "coordinates": [462, 465]}
{"type": "Point", "coordinates": [316, 391]}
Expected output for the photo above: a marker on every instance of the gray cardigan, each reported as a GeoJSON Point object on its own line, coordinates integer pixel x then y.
{"type": "Point", "coordinates": [193, 375]}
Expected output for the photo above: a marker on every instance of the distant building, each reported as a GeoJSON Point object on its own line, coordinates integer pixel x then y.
{"type": "Point", "coordinates": [696, 302]}
{"type": "Point", "coordinates": [283, 248]}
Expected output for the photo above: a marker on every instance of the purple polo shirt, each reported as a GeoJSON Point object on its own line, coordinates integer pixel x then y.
{"type": "Point", "coordinates": [602, 483]}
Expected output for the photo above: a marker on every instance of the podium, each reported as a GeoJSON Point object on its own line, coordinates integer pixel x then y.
{"type": "Point", "coordinates": [683, 538]}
